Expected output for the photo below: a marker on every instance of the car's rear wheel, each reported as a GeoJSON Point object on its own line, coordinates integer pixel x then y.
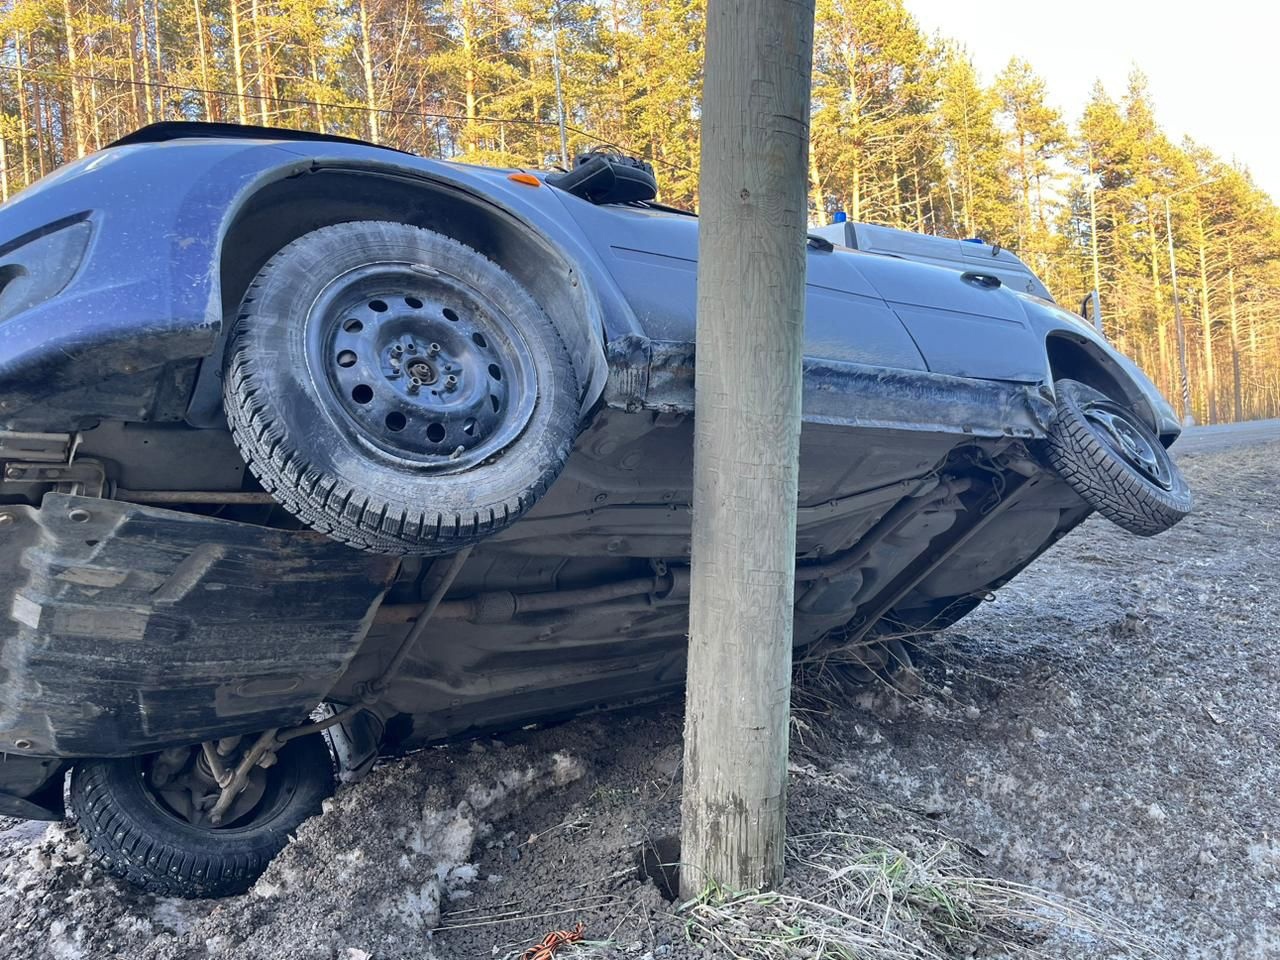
{"type": "Point", "coordinates": [147, 819]}
{"type": "Point", "coordinates": [398, 390]}
{"type": "Point", "coordinates": [1109, 456]}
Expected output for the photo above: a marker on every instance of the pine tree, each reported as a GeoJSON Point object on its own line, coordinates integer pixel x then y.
{"type": "Point", "coordinates": [979, 193]}
{"type": "Point", "coordinates": [903, 131]}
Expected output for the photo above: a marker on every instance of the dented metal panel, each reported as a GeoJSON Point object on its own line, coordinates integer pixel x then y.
{"type": "Point", "coordinates": [659, 375]}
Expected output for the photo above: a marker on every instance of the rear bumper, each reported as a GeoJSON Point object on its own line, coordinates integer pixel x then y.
{"type": "Point", "coordinates": [131, 628]}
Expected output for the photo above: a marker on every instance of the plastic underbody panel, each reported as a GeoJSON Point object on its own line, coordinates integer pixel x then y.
{"type": "Point", "coordinates": [133, 628]}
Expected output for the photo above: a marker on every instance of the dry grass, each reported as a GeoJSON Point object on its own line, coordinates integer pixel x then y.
{"type": "Point", "coordinates": [922, 896]}
{"type": "Point", "coordinates": [855, 897]}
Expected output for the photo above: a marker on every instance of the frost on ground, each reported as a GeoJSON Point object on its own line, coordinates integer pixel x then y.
{"type": "Point", "coordinates": [1104, 732]}
{"type": "Point", "coordinates": [368, 877]}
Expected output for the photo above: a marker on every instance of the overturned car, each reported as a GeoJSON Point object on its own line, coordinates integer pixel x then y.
{"type": "Point", "coordinates": [312, 451]}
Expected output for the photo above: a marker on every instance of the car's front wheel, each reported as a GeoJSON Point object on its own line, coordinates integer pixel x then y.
{"type": "Point", "coordinates": [398, 390]}
{"type": "Point", "coordinates": [1113, 460]}
{"type": "Point", "coordinates": [147, 819]}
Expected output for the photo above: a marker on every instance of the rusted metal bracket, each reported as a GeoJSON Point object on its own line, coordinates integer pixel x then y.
{"type": "Point", "coordinates": [84, 478]}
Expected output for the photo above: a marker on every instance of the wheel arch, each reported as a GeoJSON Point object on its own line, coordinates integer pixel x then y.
{"type": "Point", "coordinates": [280, 211]}
{"type": "Point", "coordinates": [1076, 358]}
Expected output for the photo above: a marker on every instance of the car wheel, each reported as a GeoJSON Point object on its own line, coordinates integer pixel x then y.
{"type": "Point", "coordinates": [1109, 456]}
{"type": "Point", "coordinates": [397, 390]}
{"type": "Point", "coordinates": [146, 818]}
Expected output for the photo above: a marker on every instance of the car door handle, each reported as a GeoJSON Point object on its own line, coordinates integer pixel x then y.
{"type": "Point", "coordinates": [981, 279]}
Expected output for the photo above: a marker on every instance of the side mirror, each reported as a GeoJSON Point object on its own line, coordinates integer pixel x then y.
{"type": "Point", "coordinates": [1091, 309]}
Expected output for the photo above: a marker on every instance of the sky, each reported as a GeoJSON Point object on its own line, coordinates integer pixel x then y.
{"type": "Point", "coordinates": [1213, 69]}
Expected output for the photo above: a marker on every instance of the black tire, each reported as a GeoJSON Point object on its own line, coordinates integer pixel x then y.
{"type": "Point", "coordinates": [132, 835]}
{"type": "Point", "coordinates": [1113, 460]}
{"type": "Point", "coordinates": [397, 390]}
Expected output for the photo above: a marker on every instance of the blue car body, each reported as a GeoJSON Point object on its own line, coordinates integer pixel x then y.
{"type": "Point", "coordinates": [140, 619]}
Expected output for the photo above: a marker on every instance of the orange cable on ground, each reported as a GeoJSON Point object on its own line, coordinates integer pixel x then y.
{"type": "Point", "coordinates": [546, 949]}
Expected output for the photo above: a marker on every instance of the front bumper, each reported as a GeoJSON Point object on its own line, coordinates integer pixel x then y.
{"type": "Point", "coordinates": [109, 281]}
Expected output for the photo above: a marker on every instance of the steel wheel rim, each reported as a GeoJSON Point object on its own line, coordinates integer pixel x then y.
{"type": "Point", "coordinates": [189, 795]}
{"type": "Point", "coordinates": [420, 365]}
{"type": "Point", "coordinates": [1129, 438]}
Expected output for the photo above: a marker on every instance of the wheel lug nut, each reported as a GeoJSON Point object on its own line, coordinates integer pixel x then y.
{"type": "Point", "coordinates": [433, 349]}
{"type": "Point", "coordinates": [451, 383]}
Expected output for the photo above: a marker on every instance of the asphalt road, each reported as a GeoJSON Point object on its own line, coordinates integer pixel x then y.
{"type": "Point", "coordinates": [1225, 435]}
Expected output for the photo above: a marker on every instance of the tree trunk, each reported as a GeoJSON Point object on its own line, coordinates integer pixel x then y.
{"type": "Point", "coordinates": [1024, 177]}
{"type": "Point", "coordinates": [237, 59]}
{"type": "Point", "coordinates": [38, 108]}
{"type": "Point", "coordinates": [1157, 305]}
{"type": "Point", "coordinates": [95, 112]}
{"type": "Point", "coordinates": [201, 41]}
{"type": "Point", "coordinates": [1210, 374]}
{"type": "Point", "coordinates": [560, 110]}
{"type": "Point", "coordinates": [899, 220]}
{"type": "Point", "coordinates": [77, 112]}
{"type": "Point", "coordinates": [1237, 390]}
{"type": "Point", "coordinates": [4, 171]}
{"type": "Point", "coordinates": [1093, 248]}
{"type": "Point", "coordinates": [849, 53]}
{"type": "Point", "coordinates": [260, 61]}
{"type": "Point", "coordinates": [23, 128]}
{"type": "Point", "coordinates": [315, 79]}
{"type": "Point", "coordinates": [1253, 355]}
{"type": "Point", "coordinates": [370, 95]}
{"type": "Point", "coordinates": [915, 183]}
{"type": "Point", "coordinates": [469, 82]}
{"type": "Point", "coordinates": [819, 200]}
{"type": "Point", "coordinates": [751, 289]}
{"type": "Point", "coordinates": [137, 90]}
{"type": "Point", "coordinates": [144, 52]}
{"type": "Point", "coordinates": [155, 36]}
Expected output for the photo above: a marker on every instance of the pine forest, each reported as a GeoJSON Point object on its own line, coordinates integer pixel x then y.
{"type": "Point", "coordinates": [904, 132]}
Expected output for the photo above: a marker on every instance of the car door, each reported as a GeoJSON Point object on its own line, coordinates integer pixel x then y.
{"type": "Point", "coordinates": [653, 257]}
{"type": "Point", "coordinates": [966, 324]}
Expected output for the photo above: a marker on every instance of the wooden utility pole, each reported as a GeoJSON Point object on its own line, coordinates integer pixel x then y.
{"type": "Point", "coordinates": [751, 288]}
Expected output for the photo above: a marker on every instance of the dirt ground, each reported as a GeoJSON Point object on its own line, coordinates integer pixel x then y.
{"type": "Point", "coordinates": [1105, 730]}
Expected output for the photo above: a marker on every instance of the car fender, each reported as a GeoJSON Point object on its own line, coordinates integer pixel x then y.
{"type": "Point", "coordinates": [125, 336]}
{"type": "Point", "coordinates": [1098, 362]}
